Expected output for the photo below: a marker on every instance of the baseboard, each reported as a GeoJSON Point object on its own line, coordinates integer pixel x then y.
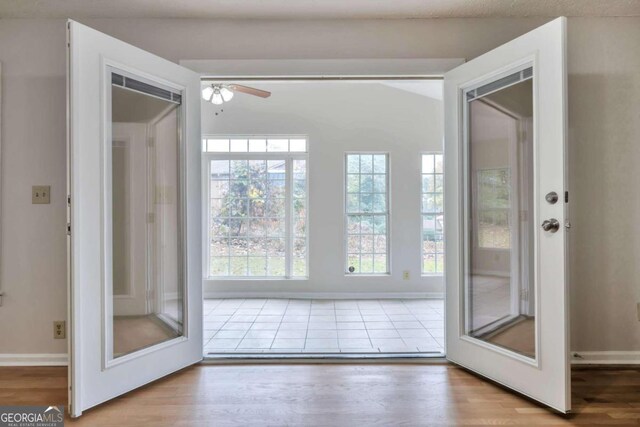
{"type": "Point", "coordinates": [34, 359]}
{"type": "Point", "coordinates": [578, 357]}
{"type": "Point", "coordinates": [325, 295]}
{"type": "Point", "coordinates": [605, 357]}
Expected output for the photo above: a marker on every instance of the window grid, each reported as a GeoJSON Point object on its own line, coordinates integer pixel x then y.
{"type": "Point", "coordinates": [432, 213]}
{"type": "Point", "coordinates": [250, 208]}
{"type": "Point", "coordinates": [367, 216]}
{"type": "Point", "coordinates": [253, 144]}
{"type": "Point", "coordinates": [494, 208]}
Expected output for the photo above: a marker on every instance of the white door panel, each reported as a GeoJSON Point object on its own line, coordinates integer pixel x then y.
{"type": "Point", "coordinates": [506, 277]}
{"type": "Point", "coordinates": [134, 247]}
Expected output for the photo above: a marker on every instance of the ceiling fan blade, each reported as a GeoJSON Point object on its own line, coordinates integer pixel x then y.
{"type": "Point", "coordinates": [250, 90]}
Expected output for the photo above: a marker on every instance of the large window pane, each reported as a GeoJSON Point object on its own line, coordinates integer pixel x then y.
{"type": "Point", "coordinates": [299, 217]}
{"type": "Point", "coordinates": [500, 305]}
{"type": "Point", "coordinates": [432, 214]}
{"type": "Point", "coordinates": [366, 205]}
{"type": "Point", "coordinates": [251, 202]}
{"type": "Point", "coordinates": [146, 222]}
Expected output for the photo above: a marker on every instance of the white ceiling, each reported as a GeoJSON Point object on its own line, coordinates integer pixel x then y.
{"type": "Point", "coordinates": [429, 88]}
{"type": "Point", "coordinates": [314, 9]}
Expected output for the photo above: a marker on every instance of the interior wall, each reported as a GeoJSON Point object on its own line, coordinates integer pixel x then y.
{"type": "Point", "coordinates": [604, 84]}
{"type": "Point", "coordinates": [342, 117]}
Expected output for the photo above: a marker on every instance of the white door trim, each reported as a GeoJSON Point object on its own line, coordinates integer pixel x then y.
{"type": "Point", "coordinates": [321, 68]}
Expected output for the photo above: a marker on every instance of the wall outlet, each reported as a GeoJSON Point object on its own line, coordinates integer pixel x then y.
{"type": "Point", "coordinates": [41, 194]}
{"type": "Point", "coordinates": [59, 329]}
{"type": "Point", "coordinates": [405, 275]}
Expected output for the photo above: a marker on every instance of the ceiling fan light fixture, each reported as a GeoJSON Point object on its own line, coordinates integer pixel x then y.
{"type": "Point", "coordinates": [207, 92]}
{"type": "Point", "coordinates": [226, 94]}
{"type": "Point", "coordinates": [216, 98]}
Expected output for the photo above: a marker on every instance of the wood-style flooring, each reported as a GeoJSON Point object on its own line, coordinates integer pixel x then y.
{"type": "Point", "coordinates": [332, 395]}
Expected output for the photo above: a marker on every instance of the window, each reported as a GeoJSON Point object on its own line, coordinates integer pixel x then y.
{"type": "Point", "coordinates": [432, 214]}
{"type": "Point", "coordinates": [494, 208]}
{"type": "Point", "coordinates": [257, 200]}
{"type": "Point", "coordinates": [367, 213]}
{"type": "Point", "coordinates": [255, 145]}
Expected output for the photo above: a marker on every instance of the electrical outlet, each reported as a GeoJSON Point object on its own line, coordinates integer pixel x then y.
{"type": "Point", "coordinates": [41, 194]}
{"type": "Point", "coordinates": [405, 275]}
{"type": "Point", "coordinates": [59, 329]}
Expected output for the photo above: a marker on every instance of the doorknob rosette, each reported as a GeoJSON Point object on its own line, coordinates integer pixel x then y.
{"type": "Point", "coordinates": [550, 225]}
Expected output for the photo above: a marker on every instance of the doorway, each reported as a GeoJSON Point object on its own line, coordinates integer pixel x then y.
{"type": "Point", "coordinates": [324, 217]}
{"type": "Point", "coordinates": [94, 377]}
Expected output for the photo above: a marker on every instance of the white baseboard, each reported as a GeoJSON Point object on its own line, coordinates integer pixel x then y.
{"type": "Point", "coordinates": [326, 295]}
{"type": "Point", "coordinates": [605, 357]}
{"type": "Point", "coordinates": [578, 357]}
{"type": "Point", "coordinates": [35, 359]}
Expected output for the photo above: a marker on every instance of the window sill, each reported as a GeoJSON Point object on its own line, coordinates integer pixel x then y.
{"type": "Point", "coordinates": [367, 275]}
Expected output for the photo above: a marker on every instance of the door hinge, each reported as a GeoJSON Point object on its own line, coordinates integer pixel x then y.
{"type": "Point", "coordinates": [566, 197]}
{"type": "Point", "coordinates": [68, 229]}
{"type": "Point", "coordinates": [69, 200]}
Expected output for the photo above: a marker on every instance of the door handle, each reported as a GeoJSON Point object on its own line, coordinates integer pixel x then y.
{"type": "Point", "coordinates": [551, 225]}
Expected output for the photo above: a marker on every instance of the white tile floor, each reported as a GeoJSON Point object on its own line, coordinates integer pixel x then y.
{"type": "Point", "coordinates": [323, 326]}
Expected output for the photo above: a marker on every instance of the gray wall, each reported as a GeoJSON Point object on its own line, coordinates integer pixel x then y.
{"type": "Point", "coordinates": [604, 85]}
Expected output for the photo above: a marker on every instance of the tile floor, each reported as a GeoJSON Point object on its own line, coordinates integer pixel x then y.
{"type": "Point", "coordinates": [323, 326]}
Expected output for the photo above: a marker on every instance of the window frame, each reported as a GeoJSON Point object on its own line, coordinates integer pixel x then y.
{"type": "Point", "coordinates": [289, 157]}
{"type": "Point", "coordinates": [422, 213]}
{"type": "Point", "coordinates": [345, 216]}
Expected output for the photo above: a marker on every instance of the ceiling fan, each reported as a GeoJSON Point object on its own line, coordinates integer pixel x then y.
{"type": "Point", "coordinates": [217, 93]}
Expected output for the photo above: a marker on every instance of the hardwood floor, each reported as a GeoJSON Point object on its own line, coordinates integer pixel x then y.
{"type": "Point", "coordinates": [333, 395]}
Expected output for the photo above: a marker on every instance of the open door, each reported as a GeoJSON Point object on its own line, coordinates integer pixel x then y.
{"type": "Point", "coordinates": [135, 288]}
{"type": "Point", "coordinates": [505, 197]}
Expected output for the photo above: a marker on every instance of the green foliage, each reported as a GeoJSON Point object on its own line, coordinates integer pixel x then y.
{"type": "Point", "coordinates": [247, 191]}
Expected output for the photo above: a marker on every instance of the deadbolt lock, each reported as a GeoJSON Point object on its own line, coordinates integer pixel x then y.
{"type": "Point", "coordinates": [551, 197]}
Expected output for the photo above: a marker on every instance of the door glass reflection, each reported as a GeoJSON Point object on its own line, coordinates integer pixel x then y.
{"type": "Point", "coordinates": [500, 296]}
{"type": "Point", "coordinates": [148, 285]}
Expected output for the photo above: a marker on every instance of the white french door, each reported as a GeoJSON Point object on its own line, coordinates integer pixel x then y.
{"type": "Point", "coordinates": [135, 283]}
{"type": "Point", "coordinates": [505, 199]}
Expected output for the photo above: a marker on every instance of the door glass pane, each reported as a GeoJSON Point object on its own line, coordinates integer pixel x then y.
{"type": "Point", "coordinates": [146, 271]}
{"type": "Point", "coordinates": [500, 295]}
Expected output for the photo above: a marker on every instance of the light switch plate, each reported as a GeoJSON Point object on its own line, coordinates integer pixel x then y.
{"type": "Point", "coordinates": [41, 194]}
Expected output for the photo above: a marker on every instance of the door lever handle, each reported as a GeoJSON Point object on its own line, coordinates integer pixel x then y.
{"type": "Point", "coordinates": [551, 225]}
